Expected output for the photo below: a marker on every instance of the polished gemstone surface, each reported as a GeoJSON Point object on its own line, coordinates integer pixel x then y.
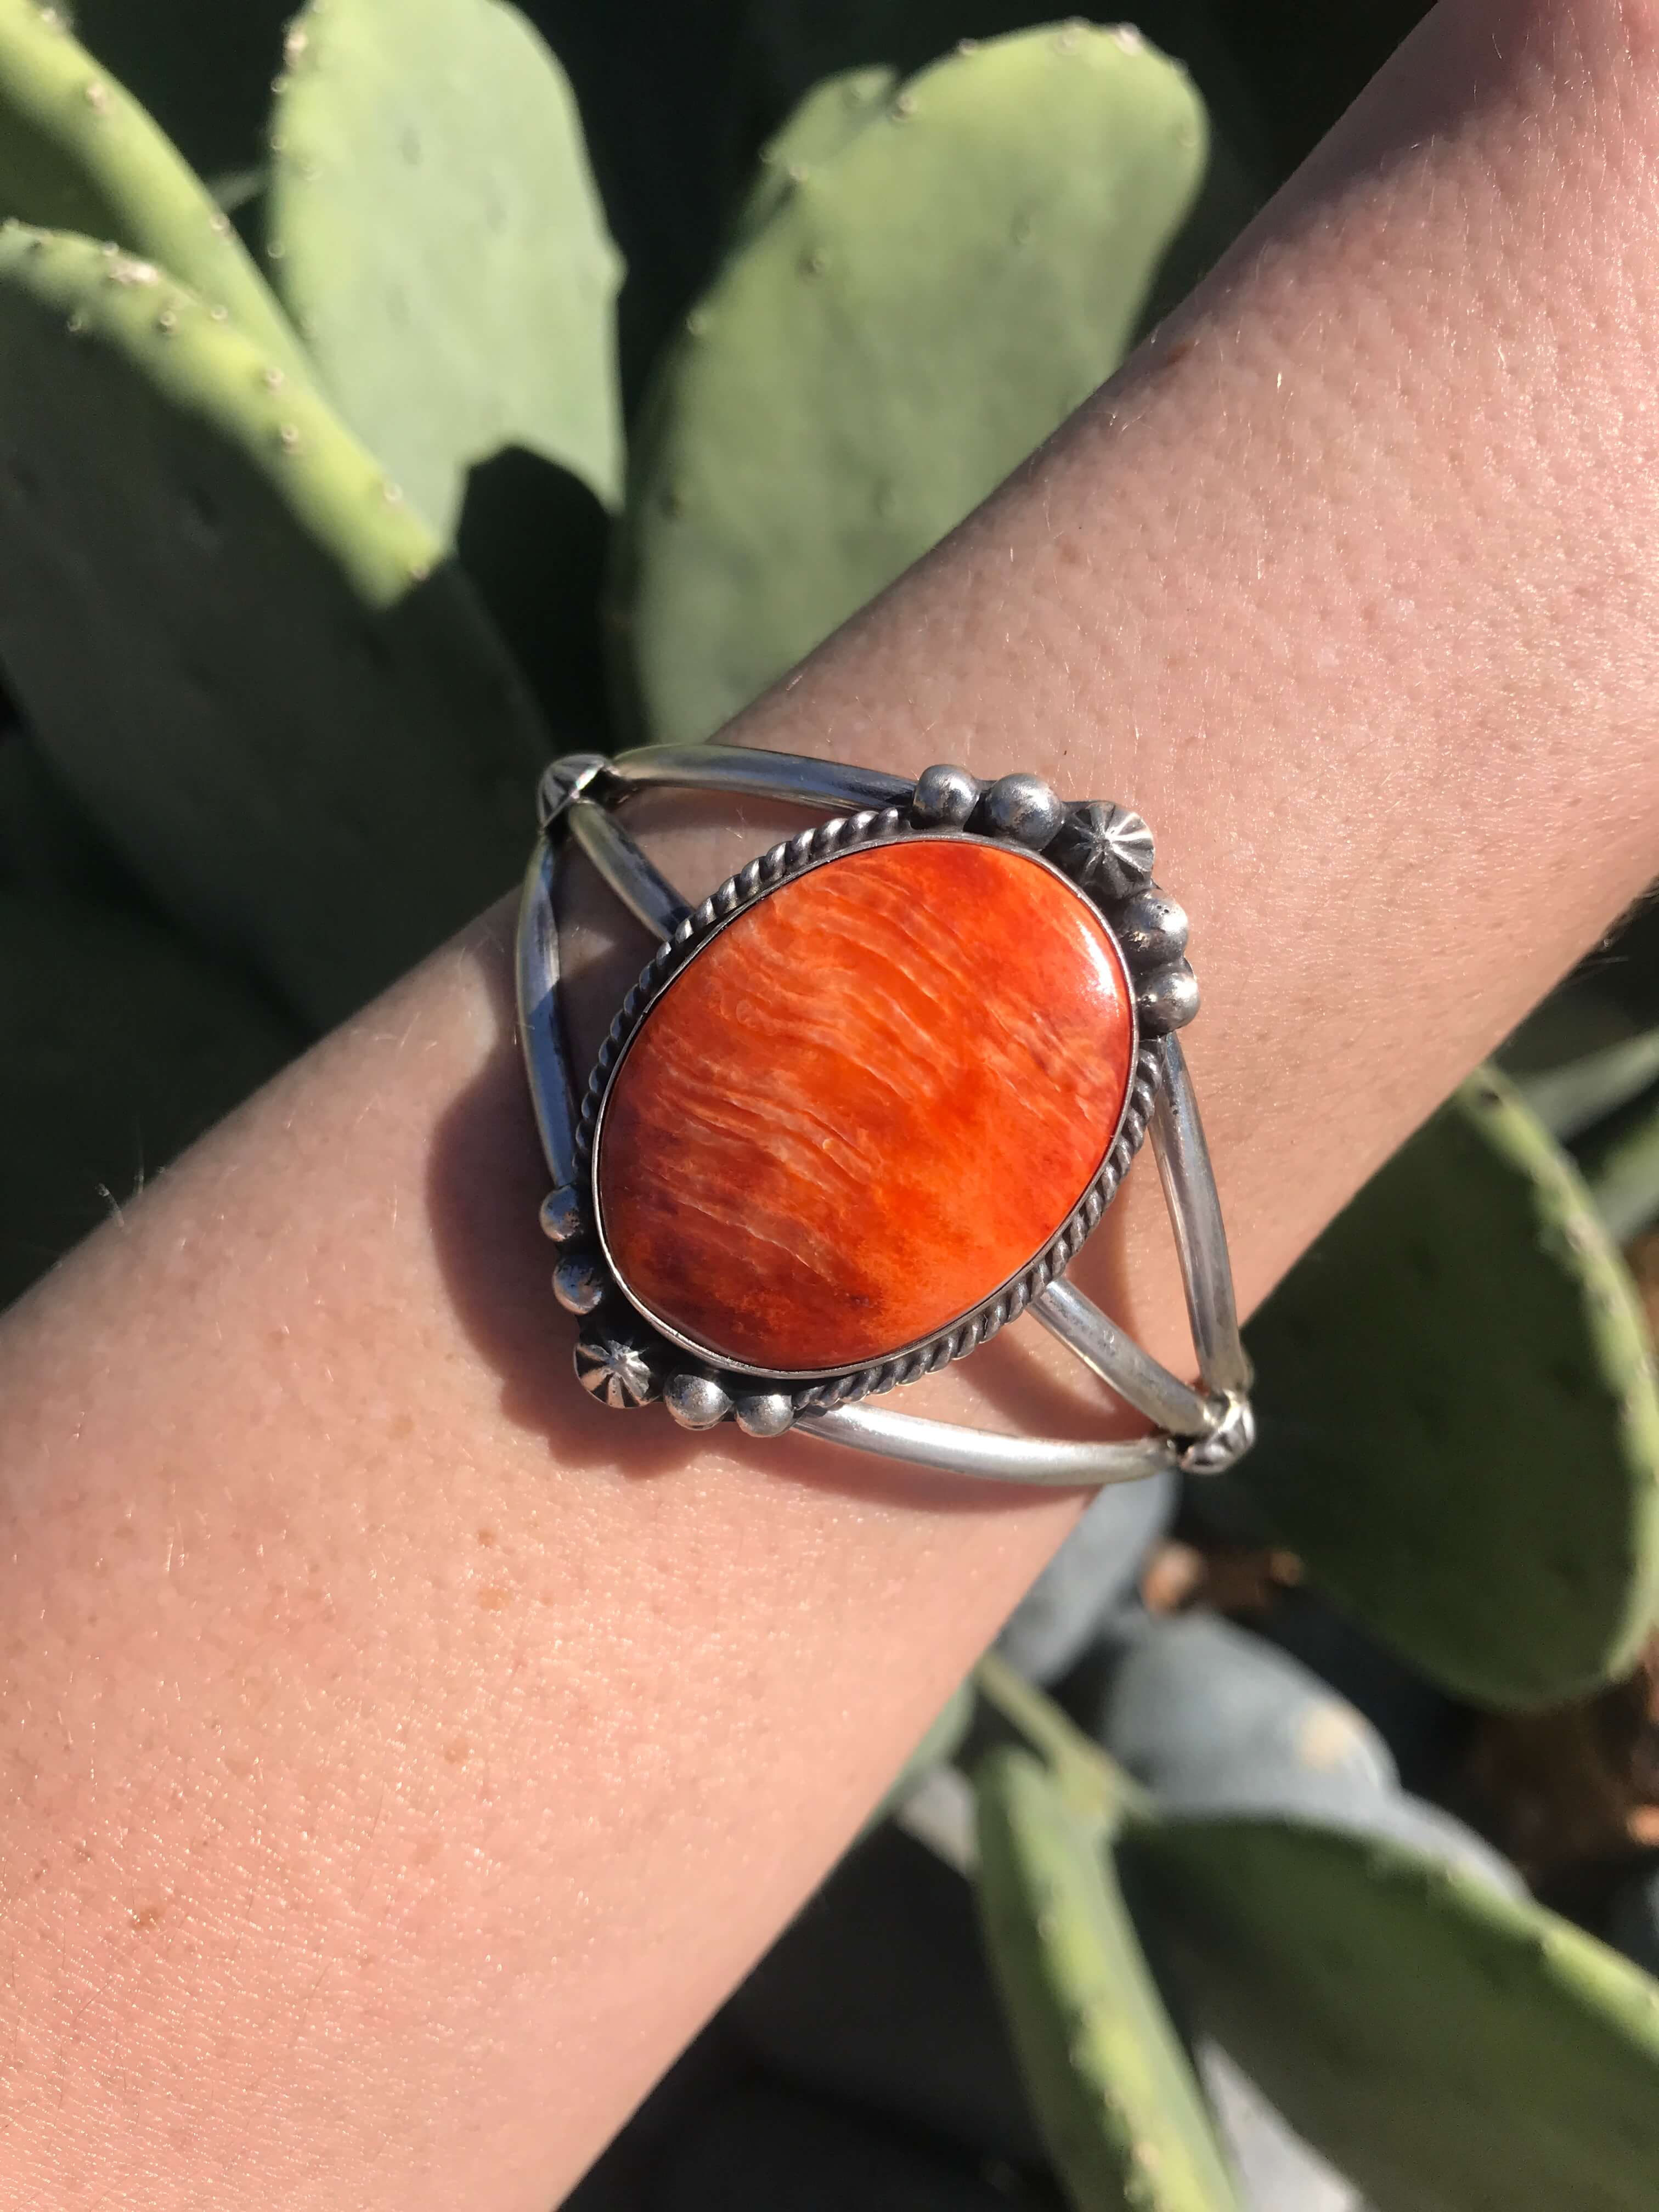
{"type": "Point", "coordinates": [865, 1104]}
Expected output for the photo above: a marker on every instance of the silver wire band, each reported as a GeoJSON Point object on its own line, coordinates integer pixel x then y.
{"type": "Point", "coordinates": [1203, 1430]}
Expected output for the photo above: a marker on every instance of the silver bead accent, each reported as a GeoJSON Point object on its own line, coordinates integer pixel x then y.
{"type": "Point", "coordinates": [1167, 1000]}
{"type": "Point", "coordinates": [1151, 928]}
{"type": "Point", "coordinates": [1106, 849]}
{"type": "Point", "coordinates": [766, 1417]}
{"type": "Point", "coordinates": [561, 1215]}
{"type": "Point", "coordinates": [696, 1401]}
{"type": "Point", "coordinates": [615, 1372]}
{"type": "Point", "coordinates": [621, 1363]}
{"type": "Point", "coordinates": [1024, 808]}
{"type": "Point", "coordinates": [946, 797]}
{"type": "Point", "coordinates": [578, 1282]}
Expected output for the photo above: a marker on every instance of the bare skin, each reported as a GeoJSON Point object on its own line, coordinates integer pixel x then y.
{"type": "Point", "coordinates": [403, 1756]}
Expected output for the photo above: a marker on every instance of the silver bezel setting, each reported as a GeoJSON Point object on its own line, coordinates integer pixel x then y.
{"type": "Point", "coordinates": [788, 862]}
{"type": "Point", "coordinates": [627, 1356]}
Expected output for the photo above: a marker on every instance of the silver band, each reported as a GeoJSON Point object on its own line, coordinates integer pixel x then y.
{"type": "Point", "coordinates": [1105, 849]}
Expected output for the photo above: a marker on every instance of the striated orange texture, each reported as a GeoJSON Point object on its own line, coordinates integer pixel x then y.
{"type": "Point", "coordinates": [865, 1105]}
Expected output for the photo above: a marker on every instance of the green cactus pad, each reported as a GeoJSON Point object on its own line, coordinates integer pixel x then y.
{"type": "Point", "coordinates": [1573, 1098]}
{"type": "Point", "coordinates": [119, 1043]}
{"type": "Point", "coordinates": [243, 659]}
{"type": "Point", "coordinates": [1460, 1428]}
{"type": "Point", "coordinates": [1447, 2048]}
{"type": "Point", "coordinates": [911, 318]}
{"type": "Point", "coordinates": [433, 226]}
{"type": "Point", "coordinates": [830, 117]}
{"type": "Point", "coordinates": [78, 153]}
{"type": "Point", "coordinates": [1621, 1166]}
{"type": "Point", "coordinates": [202, 69]}
{"type": "Point", "coordinates": [1110, 2083]}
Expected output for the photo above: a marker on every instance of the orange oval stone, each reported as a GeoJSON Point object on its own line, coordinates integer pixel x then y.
{"type": "Point", "coordinates": [865, 1105]}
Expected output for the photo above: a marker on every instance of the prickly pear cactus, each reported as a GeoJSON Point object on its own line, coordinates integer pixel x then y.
{"type": "Point", "coordinates": [1449, 2048]}
{"type": "Point", "coordinates": [1572, 1097]}
{"type": "Point", "coordinates": [122, 1042]}
{"type": "Point", "coordinates": [915, 313]}
{"type": "Point", "coordinates": [1621, 1166]}
{"type": "Point", "coordinates": [830, 117]}
{"type": "Point", "coordinates": [241, 655]}
{"type": "Point", "coordinates": [1460, 1422]}
{"type": "Point", "coordinates": [1209, 1717]}
{"type": "Point", "coordinates": [78, 153]}
{"type": "Point", "coordinates": [1109, 2081]}
{"type": "Point", "coordinates": [434, 228]}
{"type": "Point", "coordinates": [203, 70]}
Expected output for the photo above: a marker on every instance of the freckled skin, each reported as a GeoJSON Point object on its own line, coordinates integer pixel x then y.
{"type": "Point", "coordinates": [1357, 605]}
{"type": "Point", "coordinates": [868, 1103]}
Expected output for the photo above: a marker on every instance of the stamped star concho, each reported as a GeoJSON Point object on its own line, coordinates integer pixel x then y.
{"type": "Point", "coordinates": [615, 1372]}
{"type": "Point", "coordinates": [1106, 849]}
{"type": "Point", "coordinates": [1001, 982]}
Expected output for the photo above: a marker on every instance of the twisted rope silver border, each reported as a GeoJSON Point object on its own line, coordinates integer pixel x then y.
{"type": "Point", "coordinates": [786, 862]}
{"type": "Point", "coordinates": [1106, 851]}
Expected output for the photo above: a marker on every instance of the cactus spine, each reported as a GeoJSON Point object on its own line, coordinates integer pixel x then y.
{"type": "Point", "coordinates": [299, 729]}
{"type": "Point", "coordinates": [1459, 1420]}
{"type": "Point", "coordinates": [78, 153]}
{"type": "Point", "coordinates": [433, 226]}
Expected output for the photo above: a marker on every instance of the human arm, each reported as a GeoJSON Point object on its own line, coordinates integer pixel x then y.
{"type": "Point", "coordinates": [407, 1754]}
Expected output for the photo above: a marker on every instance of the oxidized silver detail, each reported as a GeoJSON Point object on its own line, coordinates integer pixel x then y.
{"type": "Point", "coordinates": [696, 1401]}
{"type": "Point", "coordinates": [616, 1369]}
{"type": "Point", "coordinates": [1106, 848]}
{"type": "Point", "coordinates": [1227, 1442]}
{"type": "Point", "coordinates": [1025, 809]}
{"type": "Point", "coordinates": [946, 797]}
{"type": "Point", "coordinates": [563, 781]}
{"type": "Point", "coordinates": [561, 1215]}
{"type": "Point", "coordinates": [1151, 928]}
{"type": "Point", "coordinates": [1107, 851]}
{"type": "Point", "coordinates": [580, 1282]}
{"type": "Point", "coordinates": [768, 1415]}
{"type": "Point", "coordinates": [1167, 1000]}
{"type": "Point", "coordinates": [783, 864]}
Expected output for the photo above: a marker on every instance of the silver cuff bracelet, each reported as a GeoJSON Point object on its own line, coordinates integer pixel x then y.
{"type": "Point", "coordinates": [865, 1103]}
